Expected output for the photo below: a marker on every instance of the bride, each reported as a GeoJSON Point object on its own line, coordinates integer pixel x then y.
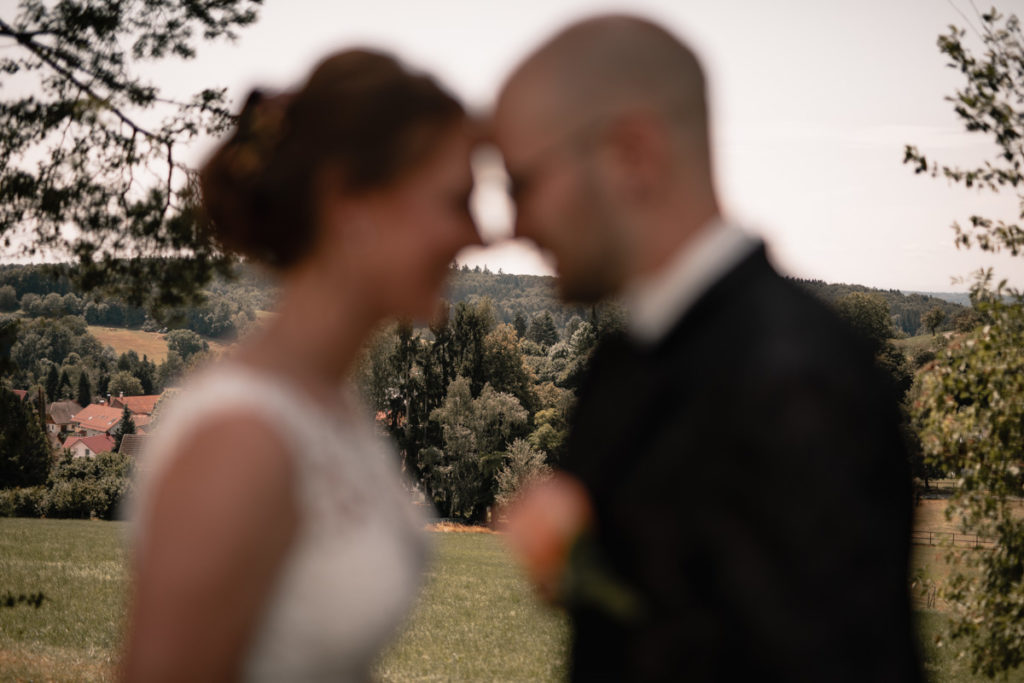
{"type": "Point", "coordinates": [274, 538]}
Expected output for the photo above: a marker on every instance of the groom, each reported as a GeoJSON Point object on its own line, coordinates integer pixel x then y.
{"type": "Point", "coordinates": [736, 460]}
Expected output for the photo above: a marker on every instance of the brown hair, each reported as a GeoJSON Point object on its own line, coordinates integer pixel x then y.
{"type": "Point", "coordinates": [361, 112]}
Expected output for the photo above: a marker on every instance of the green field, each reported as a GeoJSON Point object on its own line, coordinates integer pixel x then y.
{"type": "Point", "coordinates": [912, 345]}
{"type": "Point", "coordinates": [149, 344]}
{"type": "Point", "coordinates": [476, 620]}
{"type": "Point", "coordinates": [79, 568]}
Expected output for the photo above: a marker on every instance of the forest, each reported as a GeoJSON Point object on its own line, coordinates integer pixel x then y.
{"type": "Point", "coordinates": [478, 400]}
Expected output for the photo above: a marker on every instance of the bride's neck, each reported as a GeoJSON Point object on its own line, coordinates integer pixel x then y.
{"type": "Point", "coordinates": [318, 332]}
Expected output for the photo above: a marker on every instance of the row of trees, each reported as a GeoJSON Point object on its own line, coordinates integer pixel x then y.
{"type": "Point", "coordinates": [60, 358]}
{"type": "Point", "coordinates": [460, 394]}
{"type": "Point", "coordinates": [908, 313]}
{"type": "Point", "coordinates": [225, 314]}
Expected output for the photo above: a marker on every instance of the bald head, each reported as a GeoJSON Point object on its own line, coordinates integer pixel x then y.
{"type": "Point", "coordinates": [601, 66]}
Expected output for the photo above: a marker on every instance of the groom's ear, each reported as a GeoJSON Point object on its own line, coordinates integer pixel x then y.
{"type": "Point", "coordinates": [635, 152]}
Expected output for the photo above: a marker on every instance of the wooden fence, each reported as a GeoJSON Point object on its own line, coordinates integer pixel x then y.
{"type": "Point", "coordinates": [950, 539]}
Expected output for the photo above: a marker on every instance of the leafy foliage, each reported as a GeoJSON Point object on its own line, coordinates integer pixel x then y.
{"type": "Point", "coordinates": [970, 403]}
{"type": "Point", "coordinates": [95, 147]}
{"type": "Point", "coordinates": [525, 465]}
{"type": "Point", "coordinates": [971, 415]}
{"type": "Point", "coordinates": [476, 432]}
{"type": "Point", "coordinates": [988, 103]}
{"type": "Point", "coordinates": [933, 318]}
{"type": "Point", "coordinates": [906, 310]}
{"type": "Point", "coordinates": [24, 452]}
{"type": "Point", "coordinates": [124, 383]}
{"type": "Point", "coordinates": [185, 343]}
{"type": "Point", "coordinates": [8, 299]}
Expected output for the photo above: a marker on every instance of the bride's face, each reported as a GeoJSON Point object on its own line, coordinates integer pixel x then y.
{"type": "Point", "coordinates": [420, 224]}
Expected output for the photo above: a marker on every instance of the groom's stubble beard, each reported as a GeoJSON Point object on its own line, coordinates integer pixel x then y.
{"type": "Point", "coordinates": [597, 271]}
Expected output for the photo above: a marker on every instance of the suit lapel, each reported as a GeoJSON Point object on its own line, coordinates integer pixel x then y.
{"type": "Point", "coordinates": [627, 385]}
{"type": "Point", "coordinates": [615, 403]}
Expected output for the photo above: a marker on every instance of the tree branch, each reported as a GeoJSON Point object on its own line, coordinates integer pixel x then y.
{"type": "Point", "coordinates": [7, 31]}
{"type": "Point", "coordinates": [41, 52]}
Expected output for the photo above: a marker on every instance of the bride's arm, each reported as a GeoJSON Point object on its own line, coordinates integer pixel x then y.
{"type": "Point", "coordinates": [212, 543]}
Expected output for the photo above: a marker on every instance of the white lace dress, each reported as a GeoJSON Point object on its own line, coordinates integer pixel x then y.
{"type": "Point", "coordinates": [353, 570]}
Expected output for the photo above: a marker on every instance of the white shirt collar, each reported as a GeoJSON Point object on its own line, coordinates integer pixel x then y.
{"type": "Point", "coordinates": [656, 302]}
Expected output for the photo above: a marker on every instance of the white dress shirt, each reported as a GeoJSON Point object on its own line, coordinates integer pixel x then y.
{"type": "Point", "coordinates": [656, 302]}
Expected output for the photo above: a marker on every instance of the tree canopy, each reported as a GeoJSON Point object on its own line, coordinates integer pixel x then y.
{"type": "Point", "coordinates": [90, 151]}
{"type": "Point", "coordinates": [24, 452]}
{"type": "Point", "coordinates": [970, 404]}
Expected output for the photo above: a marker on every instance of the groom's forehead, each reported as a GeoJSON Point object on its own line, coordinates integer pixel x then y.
{"type": "Point", "coordinates": [527, 108]}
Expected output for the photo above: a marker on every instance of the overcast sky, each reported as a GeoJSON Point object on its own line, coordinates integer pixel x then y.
{"type": "Point", "coordinates": [812, 102]}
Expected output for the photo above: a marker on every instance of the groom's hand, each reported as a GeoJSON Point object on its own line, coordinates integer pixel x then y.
{"type": "Point", "coordinates": [542, 525]}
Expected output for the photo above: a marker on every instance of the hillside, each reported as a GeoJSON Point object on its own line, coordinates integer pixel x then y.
{"type": "Point", "coordinates": [532, 294]}
{"type": "Point", "coordinates": [906, 309]}
{"type": "Point", "coordinates": [232, 304]}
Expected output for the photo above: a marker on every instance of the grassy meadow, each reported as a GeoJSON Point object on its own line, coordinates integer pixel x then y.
{"type": "Point", "coordinates": [151, 344]}
{"type": "Point", "coordinates": [79, 567]}
{"type": "Point", "coordinates": [922, 342]}
{"type": "Point", "coordinates": [476, 620]}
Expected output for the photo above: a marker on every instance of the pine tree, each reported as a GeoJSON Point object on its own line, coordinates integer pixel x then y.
{"type": "Point", "coordinates": [542, 329]}
{"type": "Point", "coordinates": [63, 386]}
{"type": "Point", "coordinates": [52, 384]}
{"type": "Point", "coordinates": [519, 322]}
{"type": "Point", "coordinates": [24, 451]}
{"type": "Point", "coordinates": [102, 384]}
{"type": "Point", "coordinates": [124, 427]}
{"type": "Point", "coordinates": [84, 395]}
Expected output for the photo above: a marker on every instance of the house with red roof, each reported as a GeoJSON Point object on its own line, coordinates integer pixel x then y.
{"type": "Point", "coordinates": [142, 422]}
{"type": "Point", "coordinates": [137, 405]}
{"type": "Point", "coordinates": [89, 446]}
{"type": "Point", "coordinates": [96, 418]}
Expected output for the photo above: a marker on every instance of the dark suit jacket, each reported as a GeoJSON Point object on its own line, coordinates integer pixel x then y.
{"type": "Point", "coordinates": [752, 487]}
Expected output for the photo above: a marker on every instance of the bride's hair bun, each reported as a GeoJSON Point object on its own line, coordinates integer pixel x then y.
{"type": "Point", "coordinates": [361, 113]}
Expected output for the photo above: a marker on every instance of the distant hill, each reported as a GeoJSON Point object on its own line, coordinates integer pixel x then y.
{"type": "Point", "coordinates": [532, 294]}
{"type": "Point", "coordinates": [906, 309]}
{"type": "Point", "coordinates": [509, 293]}
{"type": "Point", "coordinates": [962, 298]}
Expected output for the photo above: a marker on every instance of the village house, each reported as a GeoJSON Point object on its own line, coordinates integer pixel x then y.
{"type": "Point", "coordinates": [60, 417]}
{"type": "Point", "coordinates": [97, 419]}
{"type": "Point", "coordinates": [89, 446]}
{"type": "Point", "coordinates": [137, 405]}
{"type": "Point", "coordinates": [132, 445]}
